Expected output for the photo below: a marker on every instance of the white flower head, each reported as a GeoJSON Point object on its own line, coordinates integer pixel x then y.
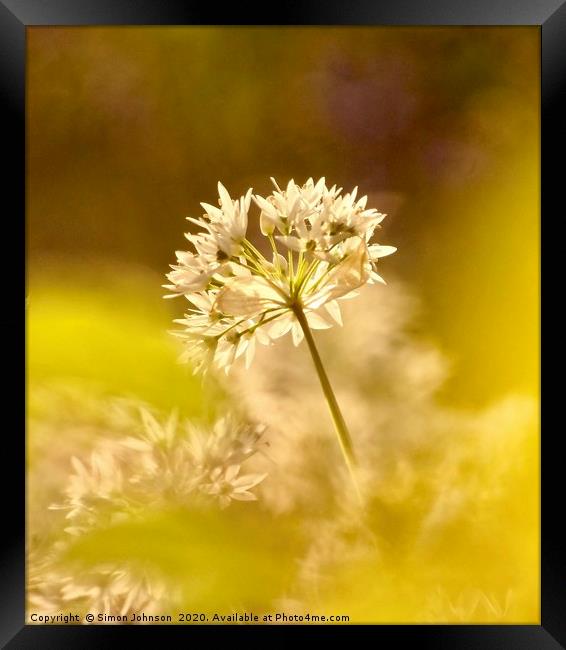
{"type": "Point", "coordinates": [320, 253]}
{"type": "Point", "coordinates": [227, 485]}
{"type": "Point", "coordinates": [177, 460]}
{"type": "Point", "coordinates": [105, 589]}
{"type": "Point", "coordinates": [94, 491]}
{"type": "Point", "coordinates": [160, 462]}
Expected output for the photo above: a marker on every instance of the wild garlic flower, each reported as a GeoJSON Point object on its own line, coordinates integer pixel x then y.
{"type": "Point", "coordinates": [94, 492]}
{"type": "Point", "coordinates": [162, 464]}
{"type": "Point", "coordinates": [239, 298]}
{"type": "Point", "coordinates": [177, 461]}
{"type": "Point", "coordinates": [109, 590]}
{"type": "Point", "coordinates": [115, 590]}
{"type": "Point", "coordinates": [227, 485]}
{"type": "Point", "coordinates": [320, 253]}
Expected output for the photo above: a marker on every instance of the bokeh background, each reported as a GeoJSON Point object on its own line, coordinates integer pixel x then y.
{"type": "Point", "coordinates": [128, 130]}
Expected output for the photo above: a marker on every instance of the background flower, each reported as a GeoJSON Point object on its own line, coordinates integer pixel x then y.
{"type": "Point", "coordinates": [158, 467]}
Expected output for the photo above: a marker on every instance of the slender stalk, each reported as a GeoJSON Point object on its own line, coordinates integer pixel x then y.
{"type": "Point", "coordinates": [260, 256]}
{"type": "Point", "coordinates": [339, 423]}
{"type": "Point", "coordinates": [291, 269]}
{"type": "Point", "coordinates": [276, 260]}
{"type": "Point", "coordinates": [311, 268]}
{"type": "Point", "coordinates": [261, 272]}
{"type": "Point", "coordinates": [243, 320]}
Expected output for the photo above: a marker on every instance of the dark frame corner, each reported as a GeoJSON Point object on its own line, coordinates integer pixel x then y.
{"type": "Point", "coordinates": [15, 17]}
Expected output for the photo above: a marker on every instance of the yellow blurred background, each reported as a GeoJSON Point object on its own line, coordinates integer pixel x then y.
{"type": "Point", "coordinates": [130, 128]}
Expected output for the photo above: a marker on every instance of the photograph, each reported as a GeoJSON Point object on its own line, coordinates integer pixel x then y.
{"type": "Point", "coordinates": [282, 325]}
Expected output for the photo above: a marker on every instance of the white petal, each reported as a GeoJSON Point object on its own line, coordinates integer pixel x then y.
{"type": "Point", "coordinates": [247, 199]}
{"type": "Point", "coordinates": [232, 472]}
{"type": "Point", "coordinates": [266, 223]}
{"type": "Point", "coordinates": [226, 201]}
{"type": "Point", "coordinates": [171, 425]}
{"type": "Point", "coordinates": [238, 270]}
{"type": "Point", "coordinates": [247, 296]}
{"type": "Point", "coordinates": [224, 354]}
{"type": "Point", "coordinates": [242, 347]}
{"type": "Point", "coordinates": [248, 481]}
{"type": "Point", "coordinates": [320, 185]}
{"type": "Point", "coordinates": [351, 273]}
{"type": "Point", "coordinates": [376, 251]}
{"type": "Point", "coordinates": [201, 301]}
{"type": "Point", "coordinates": [318, 299]}
{"type": "Point", "coordinates": [213, 211]}
{"type": "Point", "coordinates": [136, 443]}
{"type": "Point", "coordinates": [250, 352]}
{"type": "Point", "coordinates": [294, 243]}
{"type": "Point", "coordinates": [377, 219]}
{"type": "Point", "coordinates": [265, 206]}
{"type": "Point", "coordinates": [262, 336]}
{"type": "Point", "coordinates": [297, 333]}
{"type": "Point", "coordinates": [317, 321]}
{"type": "Point", "coordinates": [279, 259]}
{"type": "Point", "coordinates": [377, 278]}
{"type": "Point", "coordinates": [151, 425]}
{"type": "Point", "coordinates": [275, 183]}
{"type": "Point", "coordinates": [281, 325]}
{"type": "Point", "coordinates": [243, 496]}
{"type": "Point", "coordinates": [200, 223]}
{"type": "Point", "coordinates": [333, 308]}
{"type": "Point", "coordinates": [171, 287]}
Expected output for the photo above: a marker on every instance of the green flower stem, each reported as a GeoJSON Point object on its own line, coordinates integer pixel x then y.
{"type": "Point", "coordinates": [306, 276]}
{"type": "Point", "coordinates": [247, 243]}
{"type": "Point", "coordinates": [337, 417]}
{"type": "Point", "coordinates": [291, 269]}
{"type": "Point", "coordinates": [276, 260]}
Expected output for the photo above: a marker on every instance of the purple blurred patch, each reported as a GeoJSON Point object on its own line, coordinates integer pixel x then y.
{"type": "Point", "coordinates": [453, 162]}
{"type": "Point", "coordinates": [376, 100]}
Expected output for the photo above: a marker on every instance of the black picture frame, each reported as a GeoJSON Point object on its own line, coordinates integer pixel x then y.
{"type": "Point", "coordinates": [15, 17]}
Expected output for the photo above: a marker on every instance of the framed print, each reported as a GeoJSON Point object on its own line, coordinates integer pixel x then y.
{"type": "Point", "coordinates": [282, 321]}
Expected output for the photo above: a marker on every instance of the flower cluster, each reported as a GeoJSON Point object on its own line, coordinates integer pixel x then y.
{"type": "Point", "coordinates": [111, 590]}
{"type": "Point", "coordinates": [176, 462]}
{"type": "Point", "coordinates": [238, 296]}
{"type": "Point", "coordinates": [165, 463]}
{"type": "Point", "coordinates": [147, 463]}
